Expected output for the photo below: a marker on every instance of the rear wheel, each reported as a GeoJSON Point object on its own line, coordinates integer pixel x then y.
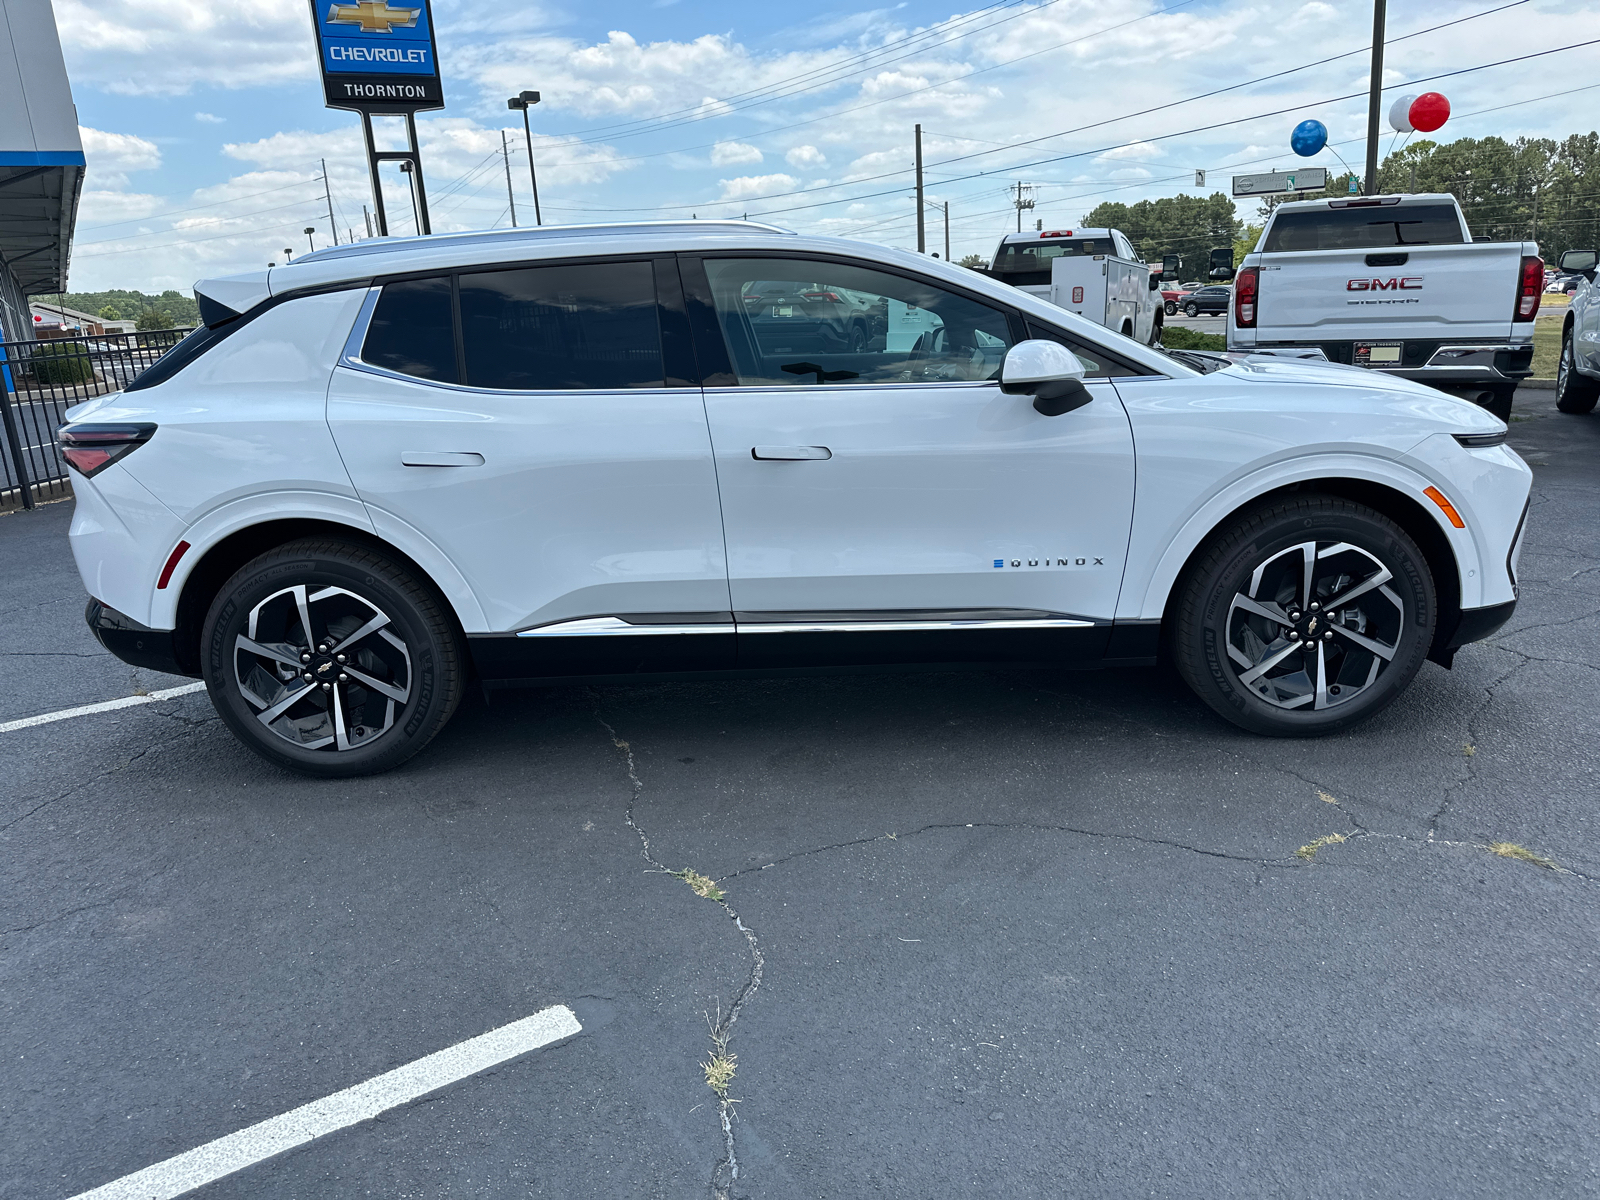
{"type": "Point", "coordinates": [1575, 393]}
{"type": "Point", "coordinates": [1156, 326]}
{"type": "Point", "coordinates": [1191, 310]}
{"type": "Point", "coordinates": [330, 659]}
{"type": "Point", "coordinates": [1172, 308]}
{"type": "Point", "coordinates": [1305, 616]}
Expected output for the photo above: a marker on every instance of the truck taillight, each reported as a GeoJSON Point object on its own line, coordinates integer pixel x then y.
{"type": "Point", "coordinates": [92, 448]}
{"type": "Point", "coordinates": [1244, 298]}
{"type": "Point", "coordinates": [1529, 287]}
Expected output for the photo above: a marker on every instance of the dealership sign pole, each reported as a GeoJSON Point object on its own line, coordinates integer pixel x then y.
{"type": "Point", "coordinates": [381, 58]}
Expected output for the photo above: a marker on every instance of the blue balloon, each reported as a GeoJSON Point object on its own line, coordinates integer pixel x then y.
{"type": "Point", "coordinates": [1308, 138]}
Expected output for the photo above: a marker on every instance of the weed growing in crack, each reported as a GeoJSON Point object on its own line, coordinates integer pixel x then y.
{"type": "Point", "coordinates": [1469, 750]}
{"type": "Point", "coordinates": [1522, 854]}
{"type": "Point", "coordinates": [1309, 850]}
{"type": "Point", "coordinates": [701, 885]}
{"type": "Point", "coordinates": [1325, 798]}
{"type": "Point", "coordinates": [722, 1066]}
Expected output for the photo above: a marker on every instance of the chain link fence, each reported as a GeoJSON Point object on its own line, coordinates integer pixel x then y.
{"type": "Point", "coordinates": [39, 381]}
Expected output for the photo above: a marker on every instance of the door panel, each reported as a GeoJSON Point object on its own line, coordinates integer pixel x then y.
{"type": "Point", "coordinates": [913, 511]}
{"type": "Point", "coordinates": [558, 502]}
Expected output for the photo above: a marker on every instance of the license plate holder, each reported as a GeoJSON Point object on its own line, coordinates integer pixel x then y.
{"type": "Point", "coordinates": [1377, 354]}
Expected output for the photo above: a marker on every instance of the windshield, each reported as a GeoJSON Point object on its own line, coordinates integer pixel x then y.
{"type": "Point", "coordinates": [1364, 228]}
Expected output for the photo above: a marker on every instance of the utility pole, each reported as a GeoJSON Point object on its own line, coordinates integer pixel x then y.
{"type": "Point", "coordinates": [367, 217]}
{"type": "Point", "coordinates": [1021, 204]}
{"type": "Point", "coordinates": [922, 234]}
{"type": "Point", "coordinates": [1375, 96]}
{"type": "Point", "coordinates": [505, 153]}
{"type": "Point", "coordinates": [332, 228]}
{"type": "Point", "coordinates": [947, 231]}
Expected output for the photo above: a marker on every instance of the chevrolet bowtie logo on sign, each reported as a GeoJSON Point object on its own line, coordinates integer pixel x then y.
{"type": "Point", "coordinates": [378, 57]}
{"type": "Point", "coordinates": [373, 16]}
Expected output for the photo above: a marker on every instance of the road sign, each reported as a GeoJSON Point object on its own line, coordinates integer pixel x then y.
{"type": "Point", "coordinates": [1278, 183]}
{"type": "Point", "coordinates": [378, 57]}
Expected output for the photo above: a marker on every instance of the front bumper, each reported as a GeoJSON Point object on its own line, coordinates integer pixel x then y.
{"type": "Point", "coordinates": [1473, 625]}
{"type": "Point", "coordinates": [133, 643]}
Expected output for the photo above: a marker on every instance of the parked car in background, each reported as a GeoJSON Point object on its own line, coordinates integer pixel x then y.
{"type": "Point", "coordinates": [1171, 297]}
{"type": "Point", "coordinates": [1578, 373]}
{"type": "Point", "coordinates": [1210, 300]}
{"type": "Point", "coordinates": [1393, 284]}
{"type": "Point", "coordinates": [546, 455]}
{"type": "Point", "coordinates": [1563, 285]}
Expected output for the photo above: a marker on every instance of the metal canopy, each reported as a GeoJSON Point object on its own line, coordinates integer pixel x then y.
{"type": "Point", "coordinates": [38, 209]}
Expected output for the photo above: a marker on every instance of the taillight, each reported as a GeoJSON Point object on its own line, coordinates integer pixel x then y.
{"type": "Point", "coordinates": [1244, 298]}
{"type": "Point", "coordinates": [91, 448]}
{"type": "Point", "coordinates": [1529, 289]}
{"type": "Point", "coordinates": [830, 297]}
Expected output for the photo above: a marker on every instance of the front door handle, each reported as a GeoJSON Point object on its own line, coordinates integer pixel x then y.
{"type": "Point", "coordinates": [440, 458]}
{"type": "Point", "coordinates": [790, 453]}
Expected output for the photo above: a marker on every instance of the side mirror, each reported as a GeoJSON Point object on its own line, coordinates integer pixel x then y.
{"type": "Point", "coordinates": [1048, 372]}
{"type": "Point", "coordinates": [1579, 262]}
{"type": "Point", "coordinates": [1155, 282]}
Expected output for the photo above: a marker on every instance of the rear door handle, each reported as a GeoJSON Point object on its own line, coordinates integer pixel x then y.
{"type": "Point", "coordinates": [440, 458]}
{"type": "Point", "coordinates": [790, 453]}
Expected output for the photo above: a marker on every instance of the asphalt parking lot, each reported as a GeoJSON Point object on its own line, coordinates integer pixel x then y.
{"type": "Point", "coordinates": [1019, 934]}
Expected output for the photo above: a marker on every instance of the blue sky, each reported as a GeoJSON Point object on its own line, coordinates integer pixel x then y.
{"type": "Point", "coordinates": [204, 123]}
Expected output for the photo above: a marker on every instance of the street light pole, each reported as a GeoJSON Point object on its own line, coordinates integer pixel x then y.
{"type": "Point", "coordinates": [405, 167]}
{"type": "Point", "coordinates": [922, 239]}
{"type": "Point", "coordinates": [522, 102]}
{"type": "Point", "coordinates": [309, 230]}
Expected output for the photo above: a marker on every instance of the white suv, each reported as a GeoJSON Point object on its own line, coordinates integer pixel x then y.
{"type": "Point", "coordinates": [572, 453]}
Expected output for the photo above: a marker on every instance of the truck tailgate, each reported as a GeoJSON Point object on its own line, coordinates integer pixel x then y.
{"type": "Point", "coordinates": [1450, 291]}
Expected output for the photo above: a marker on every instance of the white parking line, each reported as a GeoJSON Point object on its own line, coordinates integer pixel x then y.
{"type": "Point", "coordinates": [66, 714]}
{"type": "Point", "coordinates": [206, 1164]}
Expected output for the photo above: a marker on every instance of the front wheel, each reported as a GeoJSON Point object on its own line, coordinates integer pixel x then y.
{"type": "Point", "coordinates": [1172, 308]}
{"type": "Point", "coordinates": [328, 658]}
{"type": "Point", "coordinates": [1575, 392]}
{"type": "Point", "coordinates": [1191, 310]}
{"type": "Point", "coordinates": [1156, 327]}
{"type": "Point", "coordinates": [1305, 616]}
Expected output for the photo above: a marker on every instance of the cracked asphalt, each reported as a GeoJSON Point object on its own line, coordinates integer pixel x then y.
{"type": "Point", "coordinates": [1012, 934]}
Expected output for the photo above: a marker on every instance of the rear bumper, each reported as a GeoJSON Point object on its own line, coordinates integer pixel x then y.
{"type": "Point", "coordinates": [133, 643]}
{"type": "Point", "coordinates": [1434, 362]}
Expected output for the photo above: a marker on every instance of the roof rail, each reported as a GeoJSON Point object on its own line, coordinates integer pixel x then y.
{"type": "Point", "coordinates": [538, 233]}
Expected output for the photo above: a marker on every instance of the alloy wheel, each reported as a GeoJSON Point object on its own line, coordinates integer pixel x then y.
{"type": "Point", "coordinates": [1317, 627]}
{"type": "Point", "coordinates": [322, 669]}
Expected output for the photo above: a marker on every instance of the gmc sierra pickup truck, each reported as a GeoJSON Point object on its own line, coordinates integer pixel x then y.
{"type": "Point", "coordinates": [1393, 284]}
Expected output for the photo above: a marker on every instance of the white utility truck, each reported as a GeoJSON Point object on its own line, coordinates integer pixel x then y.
{"type": "Point", "coordinates": [1092, 272]}
{"type": "Point", "coordinates": [1393, 284]}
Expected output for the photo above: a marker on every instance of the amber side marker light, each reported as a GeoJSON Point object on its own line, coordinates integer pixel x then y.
{"type": "Point", "coordinates": [1449, 510]}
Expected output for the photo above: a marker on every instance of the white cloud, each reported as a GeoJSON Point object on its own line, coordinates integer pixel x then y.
{"type": "Point", "coordinates": [729, 153]}
{"type": "Point", "coordinates": [806, 156]}
{"type": "Point", "coordinates": [206, 118]}
{"type": "Point", "coordinates": [1137, 150]}
{"type": "Point", "coordinates": [746, 187]}
{"type": "Point", "coordinates": [110, 156]}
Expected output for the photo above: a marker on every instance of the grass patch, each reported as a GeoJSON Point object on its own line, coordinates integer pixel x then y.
{"type": "Point", "coordinates": [1309, 850]}
{"type": "Point", "coordinates": [1325, 798]}
{"type": "Point", "coordinates": [701, 885]}
{"type": "Point", "coordinates": [1176, 337]}
{"type": "Point", "coordinates": [721, 1067]}
{"type": "Point", "coordinates": [1546, 348]}
{"type": "Point", "coordinates": [1522, 854]}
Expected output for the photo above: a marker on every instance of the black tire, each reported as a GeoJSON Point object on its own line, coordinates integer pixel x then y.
{"type": "Point", "coordinates": [1172, 308]}
{"type": "Point", "coordinates": [858, 339]}
{"type": "Point", "coordinates": [1192, 310]}
{"type": "Point", "coordinates": [1575, 393]}
{"type": "Point", "coordinates": [1156, 326]}
{"type": "Point", "coordinates": [1351, 682]}
{"type": "Point", "coordinates": [338, 724]}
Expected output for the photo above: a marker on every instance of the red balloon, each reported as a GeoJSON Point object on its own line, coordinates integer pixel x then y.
{"type": "Point", "coordinates": [1429, 111]}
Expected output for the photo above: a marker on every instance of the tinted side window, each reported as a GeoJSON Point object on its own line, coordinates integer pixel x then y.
{"type": "Point", "coordinates": [1365, 228]}
{"type": "Point", "coordinates": [562, 328]}
{"type": "Point", "coordinates": [1097, 364]}
{"type": "Point", "coordinates": [796, 321]}
{"type": "Point", "coordinates": [412, 330]}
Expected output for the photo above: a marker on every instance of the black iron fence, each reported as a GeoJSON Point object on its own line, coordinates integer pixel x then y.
{"type": "Point", "coordinates": [39, 381]}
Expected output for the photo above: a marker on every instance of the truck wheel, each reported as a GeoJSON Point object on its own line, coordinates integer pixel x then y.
{"type": "Point", "coordinates": [1191, 310]}
{"type": "Point", "coordinates": [1305, 616]}
{"type": "Point", "coordinates": [1156, 326]}
{"type": "Point", "coordinates": [1575, 392]}
{"type": "Point", "coordinates": [1172, 308]}
{"type": "Point", "coordinates": [329, 659]}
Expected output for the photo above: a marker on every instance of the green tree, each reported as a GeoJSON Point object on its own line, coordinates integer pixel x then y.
{"type": "Point", "coordinates": [975, 261]}
{"type": "Point", "coordinates": [110, 312]}
{"type": "Point", "coordinates": [1188, 226]}
{"type": "Point", "coordinates": [153, 318]}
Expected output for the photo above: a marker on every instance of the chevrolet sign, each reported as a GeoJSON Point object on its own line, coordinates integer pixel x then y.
{"type": "Point", "coordinates": [378, 57]}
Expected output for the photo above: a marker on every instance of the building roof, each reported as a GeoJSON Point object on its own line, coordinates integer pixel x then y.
{"type": "Point", "coordinates": [41, 155]}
